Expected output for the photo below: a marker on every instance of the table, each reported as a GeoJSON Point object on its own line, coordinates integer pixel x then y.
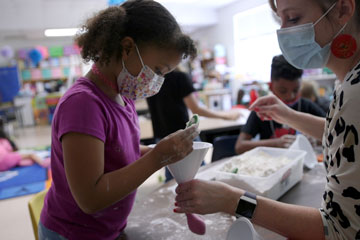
{"type": "Point", "coordinates": [153, 219]}
{"type": "Point", "coordinates": [207, 125]}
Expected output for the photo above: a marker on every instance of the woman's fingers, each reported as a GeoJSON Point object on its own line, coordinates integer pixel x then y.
{"type": "Point", "coordinates": [183, 187]}
{"type": "Point", "coordinates": [185, 210]}
{"type": "Point", "coordinates": [185, 196]}
{"type": "Point", "coordinates": [268, 109]}
{"type": "Point", "coordinates": [267, 100]}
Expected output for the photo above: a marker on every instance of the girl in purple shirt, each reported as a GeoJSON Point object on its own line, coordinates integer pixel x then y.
{"type": "Point", "coordinates": [97, 160]}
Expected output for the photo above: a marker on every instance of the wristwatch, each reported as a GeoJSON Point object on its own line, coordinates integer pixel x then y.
{"type": "Point", "coordinates": [246, 205]}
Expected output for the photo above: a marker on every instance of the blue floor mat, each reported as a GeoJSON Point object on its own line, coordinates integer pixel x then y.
{"type": "Point", "coordinates": [21, 181]}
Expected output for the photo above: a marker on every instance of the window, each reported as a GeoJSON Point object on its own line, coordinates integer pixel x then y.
{"type": "Point", "coordinates": [255, 42]}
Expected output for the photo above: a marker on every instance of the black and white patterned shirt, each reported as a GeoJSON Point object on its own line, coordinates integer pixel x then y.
{"type": "Point", "coordinates": [341, 204]}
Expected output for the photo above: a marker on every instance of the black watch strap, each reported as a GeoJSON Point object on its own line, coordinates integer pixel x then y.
{"type": "Point", "coordinates": [246, 205]}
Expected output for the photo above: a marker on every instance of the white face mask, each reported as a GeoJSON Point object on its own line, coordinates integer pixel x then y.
{"type": "Point", "coordinates": [299, 47]}
{"type": "Point", "coordinates": [146, 84]}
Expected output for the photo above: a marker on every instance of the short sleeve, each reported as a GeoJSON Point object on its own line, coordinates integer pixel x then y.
{"type": "Point", "coordinates": [185, 84]}
{"type": "Point", "coordinates": [330, 231]}
{"type": "Point", "coordinates": [252, 125]}
{"type": "Point", "coordinates": [81, 113]}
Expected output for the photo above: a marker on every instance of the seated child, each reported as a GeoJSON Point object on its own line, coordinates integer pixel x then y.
{"type": "Point", "coordinates": [285, 84]}
{"type": "Point", "coordinates": [10, 157]}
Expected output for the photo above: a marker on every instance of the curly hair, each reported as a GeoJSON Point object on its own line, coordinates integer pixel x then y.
{"type": "Point", "coordinates": [280, 68]}
{"type": "Point", "coordinates": [145, 21]}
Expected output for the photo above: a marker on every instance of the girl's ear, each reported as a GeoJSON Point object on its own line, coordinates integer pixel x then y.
{"type": "Point", "coordinates": [346, 10]}
{"type": "Point", "coordinates": [128, 44]}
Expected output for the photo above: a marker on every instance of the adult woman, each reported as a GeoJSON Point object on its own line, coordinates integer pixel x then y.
{"type": "Point", "coordinates": [309, 29]}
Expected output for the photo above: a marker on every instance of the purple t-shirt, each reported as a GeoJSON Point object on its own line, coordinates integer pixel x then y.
{"type": "Point", "coordinates": [86, 109]}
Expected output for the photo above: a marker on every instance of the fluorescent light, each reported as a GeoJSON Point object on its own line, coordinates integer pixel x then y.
{"type": "Point", "coordinates": [61, 32]}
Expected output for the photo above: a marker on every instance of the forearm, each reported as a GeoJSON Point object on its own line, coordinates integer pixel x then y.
{"type": "Point", "coordinates": [33, 157]}
{"type": "Point", "coordinates": [307, 124]}
{"type": "Point", "coordinates": [207, 113]}
{"type": "Point", "coordinates": [114, 186]}
{"type": "Point", "coordinates": [247, 145]}
{"type": "Point", "coordinates": [293, 222]}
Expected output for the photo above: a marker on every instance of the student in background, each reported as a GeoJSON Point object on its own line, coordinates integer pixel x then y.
{"type": "Point", "coordinates": [9, 157]}
{"type": "Point", "coordinates": [285, 84]}
{"type": "Point", "coordinates": [97, 161]}
{"type": "Point", "coordinates": [310, 90]}
{"type": "Point", "coordinates": [169, 107]}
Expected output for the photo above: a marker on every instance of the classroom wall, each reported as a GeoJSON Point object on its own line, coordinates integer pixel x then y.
{"type": "Point", "coordinates": [33, 17]}
{"type": "Point", "coordinates": [19, 43]}
{"type": "Point", "coordinates": [222, 32]}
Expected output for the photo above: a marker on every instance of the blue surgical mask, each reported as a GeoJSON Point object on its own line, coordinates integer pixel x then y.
{"type": "Point", "coordinates": [299, 47]}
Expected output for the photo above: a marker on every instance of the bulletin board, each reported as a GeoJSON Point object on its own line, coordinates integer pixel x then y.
{"type": "Point", "coordinates": [9, 83]}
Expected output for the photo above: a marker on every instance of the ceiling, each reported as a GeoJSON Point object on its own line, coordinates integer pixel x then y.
{"type": "Point", "coordinates": [27, 19]}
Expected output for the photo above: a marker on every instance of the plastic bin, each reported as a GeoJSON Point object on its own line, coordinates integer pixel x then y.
{"type": "Point", "coordinates": [272, 186]}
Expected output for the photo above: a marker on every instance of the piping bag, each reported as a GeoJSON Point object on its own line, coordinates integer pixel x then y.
{"type": "Point", "coordinates": [186, 169]}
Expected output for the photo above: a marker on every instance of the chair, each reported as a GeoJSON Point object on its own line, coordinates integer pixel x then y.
{"type": "Point", "coordinates": [35, 206]}
{"type": "Point", "coordinates": [224, 146]}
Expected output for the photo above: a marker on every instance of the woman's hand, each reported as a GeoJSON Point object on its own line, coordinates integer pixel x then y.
{"type": "Point", "coordinates": [271, 108]}
{"type": "Point", "coordinates": [175, 147]}
{"type": "Point", "coordinates": [205, 197]}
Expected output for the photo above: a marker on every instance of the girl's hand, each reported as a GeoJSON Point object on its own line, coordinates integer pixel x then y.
{"type": "Point", "coordinates": [205, 197]}
{"type": "Point", "coordinates": [271, 108]}
{"type": "Point", "coordinates": [175, 147]}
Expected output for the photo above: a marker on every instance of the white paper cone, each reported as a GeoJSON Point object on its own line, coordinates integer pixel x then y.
{"type": "Point", "coordinates": [186, 169]}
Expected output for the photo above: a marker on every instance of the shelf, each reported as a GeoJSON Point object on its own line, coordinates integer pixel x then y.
{"type": "Point", "coordinates": [44, 80]}
{"type": "Point", "coordinates": [49, 74]}
{"type": "Point", "coordinates": [222, 91]}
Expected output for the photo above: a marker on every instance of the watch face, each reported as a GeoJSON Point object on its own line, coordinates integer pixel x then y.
{"type": "Point", "coordinates": [246, 208]}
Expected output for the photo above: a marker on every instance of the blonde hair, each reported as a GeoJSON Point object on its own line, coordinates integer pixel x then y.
{"type": "Point", "coordinates": [325, 4]}
{"type": "Point", "coordinates": [309, 90]}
